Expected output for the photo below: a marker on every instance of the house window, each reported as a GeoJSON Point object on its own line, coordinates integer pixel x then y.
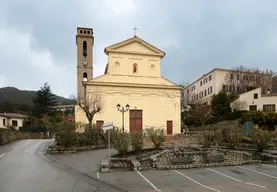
{"type": "Point", "coordinates": [211, 89]}
{"type": "Point", "coordinates": [14, 123]}
{"type": "Point", "coordinates": [196, 96]}
{"type": "Point", "coordinates": [224, 87]}
{"type": "Point", "coordinates": [255, 95]}
{"type": "Point", "coordinates": [232, 76]}
{"type": "Point", "coordinates": [270, 107]}
{"type": "Point", "coordinates": [4, 121]}
{"type": "Point", "coordinates": [230, 88]}
{"type": "Point", "coordinates": [252, 107]}
{"type": "Point", "coordinates": [205, 92]}
{"type": "Point", "coordinates": [238, 77]}
{"type": "Point", "coordinates": [210, 77]}
{"type": "Point", "coordinates": [200, 83]}
{"type": "Point", "coordinates": [201, 93]}
{"type": "Point", "coordinates": [188, 91]}
{"type": "Point", "coordinates": [135, 68]}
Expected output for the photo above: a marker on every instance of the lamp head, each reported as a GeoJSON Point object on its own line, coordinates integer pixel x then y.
{"type": "Point", "coordinates": [127, 107]}
{"type": "Point", "coordinates": [118, 106]}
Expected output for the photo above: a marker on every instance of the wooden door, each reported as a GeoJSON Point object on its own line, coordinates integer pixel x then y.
{"type": "Point", "coordinates": [135, 120]}
{"type": "Point", "coordinates": [169, 127]}
{"type": "Point", "coordinates": [99, 124]}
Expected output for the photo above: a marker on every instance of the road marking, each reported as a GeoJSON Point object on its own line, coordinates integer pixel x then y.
{"type": "Point", "coordinates": [2, 155]}
{"type": "Point", "coordinates": [98, 175]}
{"type": "Point", "coordinates": [272, 166]}
{"type": "Point", "coordinates": [240, 181]}
{"type": "Point", "coordinates": [274, 177]}
{"type": "Point", "coordinates": [207, 187]}
{"type": "Point", "coordinates": [152, 185]}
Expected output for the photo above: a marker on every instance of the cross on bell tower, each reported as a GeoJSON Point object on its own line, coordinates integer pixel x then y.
{"type": "Point", "coordinates": [135, 30]}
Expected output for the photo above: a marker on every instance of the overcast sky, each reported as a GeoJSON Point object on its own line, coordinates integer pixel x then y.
{"type": "Point", "coordinates": [37, 38]}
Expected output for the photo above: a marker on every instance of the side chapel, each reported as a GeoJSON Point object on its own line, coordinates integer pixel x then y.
{"type": "Point", "coordinates": [132, 78]}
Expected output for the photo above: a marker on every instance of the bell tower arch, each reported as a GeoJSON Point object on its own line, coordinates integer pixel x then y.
{"type": "Point", "coordinates": [84, 42]}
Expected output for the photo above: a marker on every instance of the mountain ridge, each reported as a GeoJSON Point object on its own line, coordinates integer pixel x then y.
{"type": "Point", "coordinates": [12, 98]}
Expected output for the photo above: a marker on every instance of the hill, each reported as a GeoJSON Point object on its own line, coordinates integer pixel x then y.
{"type": "Point", "coordinates": [15, 100]}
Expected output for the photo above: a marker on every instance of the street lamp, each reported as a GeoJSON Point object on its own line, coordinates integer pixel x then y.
{"type": "Point", "coordinates": [85, 91]}
{"type": "Point", "coordinates": [122, 110]}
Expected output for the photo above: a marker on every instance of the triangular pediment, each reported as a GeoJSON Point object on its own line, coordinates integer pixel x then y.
{"type": "Point", "coordinates": [135, 45]}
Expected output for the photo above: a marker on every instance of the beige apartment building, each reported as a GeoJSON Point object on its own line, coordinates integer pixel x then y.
{"type": "Point", "coordinates": [222, 80]}
{"type": "Point", "coordinates": [203, 88]}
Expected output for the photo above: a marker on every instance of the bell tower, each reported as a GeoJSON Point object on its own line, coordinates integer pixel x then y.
{"type": "Point", "coordinates": [84, 42]}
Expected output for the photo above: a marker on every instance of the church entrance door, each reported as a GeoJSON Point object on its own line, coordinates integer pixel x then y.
{"type": "Point", "coordinates": [135, 120]}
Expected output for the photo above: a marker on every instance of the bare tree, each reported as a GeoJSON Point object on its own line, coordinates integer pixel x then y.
{"type": "Point", "coordinates": [241, 79]}
{"type": "Point", "coordinates": [202, 111]}
{"type": "Point", "coordinates": [239, 105]}
{"type": "Point", "coordinates": [91, 104]}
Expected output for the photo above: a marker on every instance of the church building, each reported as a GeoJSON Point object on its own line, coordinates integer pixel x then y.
{"type": "Point", "coordinates": [131, 82]}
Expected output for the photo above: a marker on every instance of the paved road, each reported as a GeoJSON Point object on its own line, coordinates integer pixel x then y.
{"type": "Point", "coordinates": [23, 168]}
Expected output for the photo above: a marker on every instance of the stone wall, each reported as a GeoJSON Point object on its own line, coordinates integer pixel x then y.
{"type": "Point", "coordinates": [7, 136]}
{"type": "Point", "coordinates": [54, 149]}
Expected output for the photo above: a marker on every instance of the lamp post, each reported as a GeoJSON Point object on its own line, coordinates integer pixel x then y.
{"type": "Point", "coordinates": [85, 91]}
{"type": "Point", "coordinates": [122, 110]}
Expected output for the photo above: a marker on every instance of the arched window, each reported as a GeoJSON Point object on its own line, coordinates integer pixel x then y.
{"type": "Point", "coordinates": [85, 75]}
{"type": "Point", "coordinates": [152, 68]}
{"type": "Point", "coordinates": [84, 48]}
{"type": "Point", "coordinates": [116, 67]}
{"type": "Point", "coordinates": [135, 68]}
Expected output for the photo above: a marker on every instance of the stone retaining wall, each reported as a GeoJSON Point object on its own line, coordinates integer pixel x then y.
{"type": "Point", "coordinates": [7, 136]}
{"type": "Point", "coordinates": [62, 150]}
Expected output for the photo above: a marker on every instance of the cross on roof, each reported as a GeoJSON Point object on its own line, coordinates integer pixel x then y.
{"type": "Point", "coordinates": [135, 29]}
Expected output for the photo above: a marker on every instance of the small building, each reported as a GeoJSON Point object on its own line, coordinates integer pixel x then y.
{"type": "Point", "coordinates": [254, 100]}
{"type": "Point", "coordinates": [14, 120]}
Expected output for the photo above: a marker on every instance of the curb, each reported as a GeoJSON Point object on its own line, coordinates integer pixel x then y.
{"type": "Point", "coordinates": [101, 186]}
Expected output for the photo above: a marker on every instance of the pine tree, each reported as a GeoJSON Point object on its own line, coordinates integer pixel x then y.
{"type": "Point", "coordinates": [44, 101]}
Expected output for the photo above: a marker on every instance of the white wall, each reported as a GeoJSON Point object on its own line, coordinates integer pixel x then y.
{"type": "Point", "coordinates": [8, 121]}
{"type": "Point", "coordinates": [248, 99]}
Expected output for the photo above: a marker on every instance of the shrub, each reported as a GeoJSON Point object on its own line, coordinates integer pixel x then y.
{"type": "Point", "coordinates": [66, 135]}
{"type": "Point", "coordinates": [137, 141]}
{"type": "Point", "coordinates": [232, 135]}
{"type": "Point", "coordinates": [120, 141]}
{"type": "Point", "coordinates": [156, 135]}
{"type": "Point", "coordinates": [262, 118]}
{"type": "Point", "coordinates": [207, 138]}
{"type": "Point", "coordinates": [261, 138]}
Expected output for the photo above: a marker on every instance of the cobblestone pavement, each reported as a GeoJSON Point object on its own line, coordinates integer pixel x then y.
{"type": "Point", "coordinates": [228, 179]}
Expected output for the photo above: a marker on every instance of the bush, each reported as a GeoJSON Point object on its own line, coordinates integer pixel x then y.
{"type": "Point", "coordinates": [207, 138]}
{"type": "Point", "coordinates": [232, 135]}
{"type": "Point", "coordinates": [120, 141]}
{"type": "Point", "coordinates": [156, 135]}
{"type": "Point", "coordinates": [261, 138]}
{"type": "Point", "coordinates": [137, 141]}
{"type": "Point", "coordinates": [66, 135]}
{"type": "Point", "coordinates": [262, 118]}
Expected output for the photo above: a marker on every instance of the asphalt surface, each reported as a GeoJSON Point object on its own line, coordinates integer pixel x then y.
{"type": "Point", "coordinates": [24, 168]}
{"type": "Point", "coordinates": [250, 178]}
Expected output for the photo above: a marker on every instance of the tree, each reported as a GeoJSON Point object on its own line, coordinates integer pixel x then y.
{"type": "Point", "coordinates": [221, 104]}
{"type": "Point", "coordinates": [202, 111]}
{"type": "Point", "coordinates": [241, 79]}
{"type": "Point", "coordinates": [239, 105]}
{"type": "Point", "coordinates": [44, 101]}
{"type": "Point", "coordinates": [91, 104]}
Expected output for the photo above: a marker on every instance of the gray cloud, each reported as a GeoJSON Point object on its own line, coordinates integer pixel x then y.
{"type": "Point", "coordinates": [37, 38]}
